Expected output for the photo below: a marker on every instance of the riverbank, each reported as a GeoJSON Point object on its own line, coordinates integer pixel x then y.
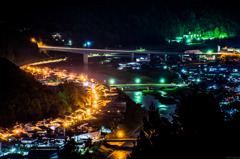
{"type": "Point", "coordinates": [130, 125]}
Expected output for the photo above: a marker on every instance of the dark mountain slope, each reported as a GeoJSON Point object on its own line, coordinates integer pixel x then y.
{"type": "Point", "coordinates": [23, 98]}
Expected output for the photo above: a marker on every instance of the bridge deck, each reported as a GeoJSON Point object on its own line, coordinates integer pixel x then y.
{"type": "Point", "coordinates": [88, 51]}
{"type": "Point", "coordinates": [149, 85]}
{"type": "Point", "coordinates": [121, 140]}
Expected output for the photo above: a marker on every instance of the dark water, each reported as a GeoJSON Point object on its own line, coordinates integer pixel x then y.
{"type": "Point", "coordinates": [146, 100]}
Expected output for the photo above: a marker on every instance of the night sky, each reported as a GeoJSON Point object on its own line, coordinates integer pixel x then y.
{"type": "Point", "coordinates": [121, 22]}
{"type": "Point", "coordinates": [32, 12]}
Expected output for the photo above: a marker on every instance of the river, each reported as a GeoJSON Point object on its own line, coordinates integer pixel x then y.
{"type": "Point", "coordinates": [137, 96]}
{"type": "Point", "coordinates": [124, 150]}
{"type": "Point", "coordinates": [145, 100]}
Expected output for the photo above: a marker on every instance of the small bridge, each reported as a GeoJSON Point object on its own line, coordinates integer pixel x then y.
{"type": "Point", "coordinates": [121, 140]}
{"type": "Point", "coordinates": [148, 85]}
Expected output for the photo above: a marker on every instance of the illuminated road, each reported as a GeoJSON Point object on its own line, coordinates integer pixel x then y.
{"type": "Point", "coordinates": [46, 62]}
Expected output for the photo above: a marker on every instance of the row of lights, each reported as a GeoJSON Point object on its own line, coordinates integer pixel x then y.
{"type": "Point", "coordinates": [137, 81]}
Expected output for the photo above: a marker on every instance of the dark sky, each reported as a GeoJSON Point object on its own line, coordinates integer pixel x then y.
{"type": "Point", "coordinates": [120, 21]}
{"type": "Point", "coordinates": [22, 8]}
{"type": "Point", "coordinates": [30, 13]}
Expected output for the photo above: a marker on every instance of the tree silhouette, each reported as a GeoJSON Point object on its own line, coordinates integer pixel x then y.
{"type": "Point", "coordinates": [197, 129]}
{"type": "Point", "coordinates": [69, 150]}
{"type": "Point", "coordinates": [156, 136]}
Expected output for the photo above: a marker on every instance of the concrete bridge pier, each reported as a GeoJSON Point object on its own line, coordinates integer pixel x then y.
{"type": "Point", "coordinates": [85, 62]}
{"type": "Point", "coordinates": [85, 59]}
{"type": "Point", "coordinates": [181, 57]}
{"type": "Point", "coordinates": [165, 57]}
{"type": "Point", "coordinates": [199, 58]}
{"type": "Point", "coordinates": [132, 57]}
{"type": "Point", "coordinates": [149, 57]}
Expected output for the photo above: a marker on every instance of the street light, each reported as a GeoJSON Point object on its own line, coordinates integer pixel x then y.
{"type": "Point", "coordinates": [17, 133]}
{"type": "Point", "coordinates": [120, 134]}
{"type": "Point", "coordinates": [65, 125]}
{"type": "Point", "coordinates": [162, 80]}
{"type": "Point", "coordinates": [87, 44]}
{"type": "Point", "coordinates": [137, 80]}
{"type": "Point", "coordinates": [33, 40]}
{"type": "Point", "coordinates": [112, 81]}
{"type": "Point", "coordinates": [88, 112]}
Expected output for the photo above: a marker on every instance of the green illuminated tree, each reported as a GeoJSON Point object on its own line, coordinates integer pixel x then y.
{"type": "Point", "coordinates": [223, 30]}
{"type": "Point", "coordinates": [216, 32]}
{"type": "Point", "coordinates": [208, 34]}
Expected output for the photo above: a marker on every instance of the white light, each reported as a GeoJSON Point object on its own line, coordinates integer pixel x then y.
{"type": "Point", "coordinates": [85, 84]}
{"type": "Point", "coordinates": [13, 149]}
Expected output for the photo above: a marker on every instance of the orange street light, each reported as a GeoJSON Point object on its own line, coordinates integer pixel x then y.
{"type": "Point", "coordinates": [71, 76]}
{"type": "Point", "coordinates": [33, 40]}
{"type": "Point", "coordinates": [120, 134]}
{"type": "Point", "coordinates": [88, 111]}
{"type": "Point", "coordinates": [65, 124]}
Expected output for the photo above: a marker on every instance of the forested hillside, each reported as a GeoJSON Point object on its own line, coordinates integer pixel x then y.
{"type": "Point", "coordinates": [23, 98]}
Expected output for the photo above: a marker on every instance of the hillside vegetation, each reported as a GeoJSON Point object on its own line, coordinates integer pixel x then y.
{"type": "Point", "coordinates": [23, 98]}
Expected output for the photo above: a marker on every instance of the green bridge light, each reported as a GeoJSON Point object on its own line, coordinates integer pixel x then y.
{"type": "Point", "coordinates": [162, 80]}
{"type": "Point", "coordinates": [137, 80]}
{"type": "Point", "coordinates": [112, 81]}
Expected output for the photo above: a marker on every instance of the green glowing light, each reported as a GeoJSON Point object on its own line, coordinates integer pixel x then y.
{"type": "Point", "coordinates": [209, 52]}
{"type": "Point", "coordinates": [162, 106]}
{"type": "Point", "coordinates": [141, 49]}
{"type": "Point", "coordinates": [137, 80]}
{"type": "Point", "coordinates": [162, 80]}
{"type": "Point", "coordinates": [112, 81]}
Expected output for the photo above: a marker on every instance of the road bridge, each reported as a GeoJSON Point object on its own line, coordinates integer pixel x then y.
{"type": "Point", "coordinates": [121, 140]}
{"type": "Point", "coordinates": [86, 51]}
